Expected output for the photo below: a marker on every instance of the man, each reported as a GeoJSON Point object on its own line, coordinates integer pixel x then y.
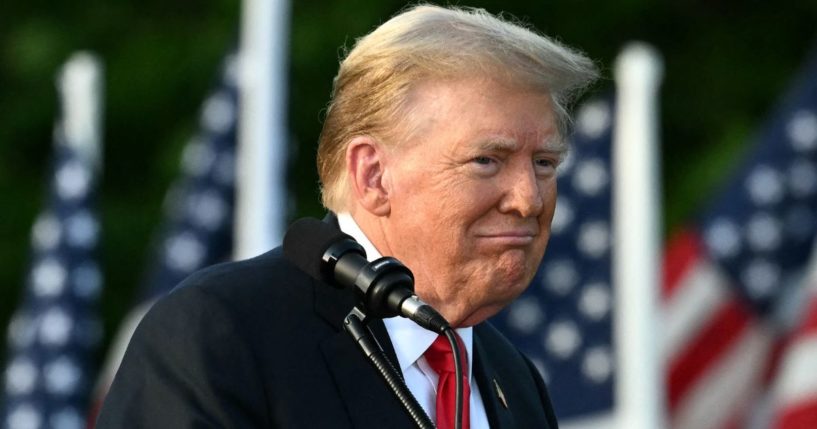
{"type": "Point", "coordinates": [439, 148]}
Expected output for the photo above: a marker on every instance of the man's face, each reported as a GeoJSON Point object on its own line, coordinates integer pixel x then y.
{"type": "Point", "coordinates": [472, 194]}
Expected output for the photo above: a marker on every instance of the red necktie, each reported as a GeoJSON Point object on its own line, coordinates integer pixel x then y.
{"type": "Point", "coordinates": [441, 359]}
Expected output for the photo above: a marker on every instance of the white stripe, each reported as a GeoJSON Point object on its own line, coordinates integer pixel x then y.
{"type": "Point", "coordinates": [798, 377]}
{"type": "Point", "coordinates": [700, 293]}
{"type": "Point", "coordinates": [728, 385]}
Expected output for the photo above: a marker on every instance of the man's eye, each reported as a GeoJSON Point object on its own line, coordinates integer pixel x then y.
{"type": "Point", "coordinates": [483, 160]}
{"type": "Point", "coordinates": [545, 166]}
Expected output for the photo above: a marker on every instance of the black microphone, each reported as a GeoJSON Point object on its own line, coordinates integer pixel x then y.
{"type": "Point", "coordinates": [385, 287]}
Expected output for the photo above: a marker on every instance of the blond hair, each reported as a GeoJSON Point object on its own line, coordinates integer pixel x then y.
{"type": "Point", "coordinates": [425, 42]}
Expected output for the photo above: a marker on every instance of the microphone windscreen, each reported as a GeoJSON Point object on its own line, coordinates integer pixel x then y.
{"type": "Point", "coordinates": [306, 241]}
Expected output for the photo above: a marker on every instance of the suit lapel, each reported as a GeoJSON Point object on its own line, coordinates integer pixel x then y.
{"type": "Point", "coordinates": [366, 396]}
{"type": "Point", "coordinates": [368, 400]}
{"type": "Point", "coordinates": [490, 387]}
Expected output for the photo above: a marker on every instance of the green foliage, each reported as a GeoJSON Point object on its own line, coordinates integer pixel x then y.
{"type": "Point", "coordinates": [726, 63]}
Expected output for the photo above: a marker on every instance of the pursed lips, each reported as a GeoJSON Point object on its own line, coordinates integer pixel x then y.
{"type": "Point", "coordinates": [510, 237]}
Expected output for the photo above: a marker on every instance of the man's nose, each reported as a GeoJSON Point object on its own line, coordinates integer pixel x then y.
{"type": "Point", "coordinates": [523, 194]}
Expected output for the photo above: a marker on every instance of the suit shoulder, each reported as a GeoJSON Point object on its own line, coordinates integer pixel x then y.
{"type": "Point", "coordinates": [267, 277]}
{"type": "Point", "coordinates": [262, 269]}
{"type": "Point", "coordinates": [258, 293]}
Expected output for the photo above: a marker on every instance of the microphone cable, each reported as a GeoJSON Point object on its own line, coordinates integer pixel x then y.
{"type": "Point", "coordinates": [455, 348]}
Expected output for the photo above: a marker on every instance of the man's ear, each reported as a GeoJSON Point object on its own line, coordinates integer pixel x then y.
{"type": "Point", "coordinates": [365, 165]}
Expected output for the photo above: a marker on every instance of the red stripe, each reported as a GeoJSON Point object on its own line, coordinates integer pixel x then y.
{"type": "Point", "coordinates": [800, 416]}
{"type": "Point", "coordinates": [706, 349]}
{"type": "Point", "coordinates": [773, 365]}
{"type": "Point", "coordinates": [680, 255]}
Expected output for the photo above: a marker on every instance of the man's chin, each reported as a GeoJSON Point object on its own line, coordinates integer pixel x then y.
{"type": "Point", "coordinates": [482, 313]}
{"type": "Point", "coordinates": [515, 267]}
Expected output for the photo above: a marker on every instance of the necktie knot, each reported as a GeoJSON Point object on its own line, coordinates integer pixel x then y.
{"type": "Point", "coordinates": [440, 357]}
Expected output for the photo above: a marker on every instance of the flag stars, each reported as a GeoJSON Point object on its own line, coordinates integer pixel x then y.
{"type": "Point", "coordinates": [760, 277]}
{"type": "Point", "coordinates": [595, 301]}
{"type": "Point", "coordinates": [802, 131]}
{"type": "Point", "coordinates": [48, 277]}
{"type": "Point", "coordinates": [723, 238]}
{"type": "Point", "coordinates": [219, 113]}
{"type": "Point", "coordinates": [207, 210]}
{"type": "Point", "coordinates": [763, 232]}
{"type": "Point", "coordinates": [62, 376]}
{"type": "Point", "coordinates": [197, 158]}
{"type": "Point", "coordinates": [563, 339]}
{"type": "Point", "coordinates": [184, 252]}
{"type": "Point", "coordinates": [82, 230]}
{"type": "Point", "coordinates": [67, 418]}
{"type": "Point", "coordinates": [73, 180]}
{"type": "Point", "coordinates": [594, 239]}
{"type": "Point", "coordinates": [87, 280]}
{"type": "Point", "coordinates": [765, 186]}
{"type": "Point", "coordinates": [560, 277]}
{"type": "Point", "coordinates": [802, 178]}
{"type": "Point", "coordinates": [525, 315]}
{"type": "Point", "coordinates": [40, 380]}
{"type": "Point", "coordinates": [597, 364]}
{"type": "Point", "coordinates": [24, 416]}
{"type": "Point", "coordinates": [591, 177]}
{"type": "Point", "coordinates": [594, 119]}
{"type": "Point", "coordinates": [55, 327]}
{"type": "Point", "coordinates": [21, 377]}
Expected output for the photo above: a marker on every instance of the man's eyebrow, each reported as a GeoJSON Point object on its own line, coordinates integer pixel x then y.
{"type": "Point", "coordinates": [558, 145]}
{"type": "Point", "coordinates": [499, 145]}
{"type": "Point", "coordinates": [552, 144]}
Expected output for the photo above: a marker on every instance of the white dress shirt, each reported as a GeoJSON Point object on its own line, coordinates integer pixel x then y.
{"type": "Point", "coordinates": [410, 341]}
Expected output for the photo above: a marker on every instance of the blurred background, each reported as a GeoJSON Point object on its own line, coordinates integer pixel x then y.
{"type": "Point", "coordinates": [726, 65]}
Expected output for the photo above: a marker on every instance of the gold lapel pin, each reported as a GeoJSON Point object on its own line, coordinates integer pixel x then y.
{"type": "Point", "coordinates": [500, 394]}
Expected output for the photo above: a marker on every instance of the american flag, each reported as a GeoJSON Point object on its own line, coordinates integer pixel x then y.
{"type": "Point", "coordinates": [732, 280]}
{"type": "Point", "coordinates": [199, 206]}
{"type": "Point", "coordinates": [733, 286]}
{"type": "Point", "coordinates": [563, 321]}
{"type": "Point", "coordinates": [197, 231]}
{"type": "Point", "coordinates": [53, 334]}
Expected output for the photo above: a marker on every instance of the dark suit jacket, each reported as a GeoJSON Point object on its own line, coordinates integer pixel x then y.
{"type": "Point", "coordinates": [259, 344]}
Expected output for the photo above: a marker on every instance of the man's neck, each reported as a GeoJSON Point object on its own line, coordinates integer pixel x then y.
{"type": "Point", "coordinates": [409, 339]}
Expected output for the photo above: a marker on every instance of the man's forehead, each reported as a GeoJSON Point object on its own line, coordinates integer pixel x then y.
{"type": "Point", "coordinates": [478, 109]}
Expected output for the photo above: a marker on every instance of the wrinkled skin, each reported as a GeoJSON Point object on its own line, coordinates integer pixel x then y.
{"type": "Point", "coordinates": [467, 200]}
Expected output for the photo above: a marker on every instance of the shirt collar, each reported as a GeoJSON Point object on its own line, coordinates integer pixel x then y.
{"type": "Point", "coordinates": [410, 341]}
